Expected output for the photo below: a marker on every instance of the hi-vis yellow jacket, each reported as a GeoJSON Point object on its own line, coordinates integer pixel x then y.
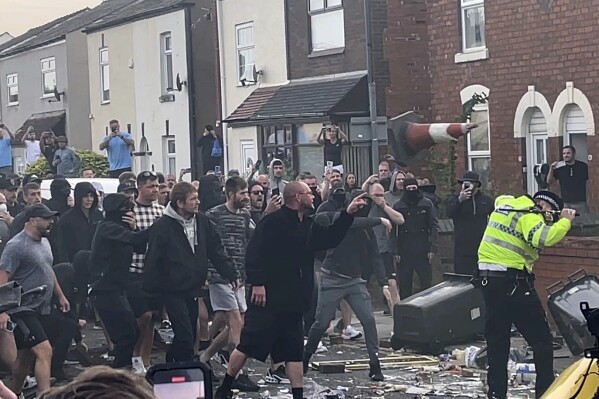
{"type": "Point", "coordinates": [514, 239]}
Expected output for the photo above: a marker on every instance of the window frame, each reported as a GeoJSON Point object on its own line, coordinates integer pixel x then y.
{"type": "Point", "coordinates": [320, 11]}
{"type": "Point", "coordinates": [167, 155]}
{"type": "Point", "coordinates": [466, 5]}
{"type": "Point", "coordinates": [10, 85]}
{"type": "Point", "coordinates": [167, 80]}
{"type": "Point", "coordinates": [103, 79]}
{"type": "Point", "coordinates": [50, 69]}
{"type": "Point", "coordinates": [239, 48]}
{"type": "Point", "coordinates": [478, 154]}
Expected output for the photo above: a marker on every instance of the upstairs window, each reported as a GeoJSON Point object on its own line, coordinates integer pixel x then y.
{"type": "Point", "coordinates": [327, 26]}
{"type": "Point", "coordinates": [48, 76]}
{"type": "Point", "coordinates": [12, 83]}
{"type": "Point", "coordinates": [245, 51]}
{"type": "Point", "coordinates": [167, 63]}
{"type": "Point", "coordinates": [473, 24]}
{"type": "Point", "coordinates": [105, 75]}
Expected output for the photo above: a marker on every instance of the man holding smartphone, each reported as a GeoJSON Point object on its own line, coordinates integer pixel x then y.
{"type": "Point", "coordinates": [572, 176]}
{"type": "Point", "coordinates": [470, 210]}
{"type": "Point", "coordinates": [118, 146]}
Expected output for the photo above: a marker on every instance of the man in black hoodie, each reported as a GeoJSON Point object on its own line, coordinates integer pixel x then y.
{"type": "Point", "coordinates": [280, 269]}
{"type": "Point", "coordinates": [176, 265]}
{"type": "Point", "coordinates": [60, 189]}
{"type": "Point", "coordinates": [112, 251]}
{"type": "Point", "coordinates": [417, 238]}
{"type": "Point", "coordinates": [76, 228]}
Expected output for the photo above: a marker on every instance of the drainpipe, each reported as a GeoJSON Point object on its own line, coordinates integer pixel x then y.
{"type": "Point", "coordinates": [223, 85]}
{"type": "Point", "coordinates": [191, 93]}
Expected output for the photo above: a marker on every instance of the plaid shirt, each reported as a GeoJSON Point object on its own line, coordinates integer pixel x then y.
{"type": "Point", "coordinates": [145, 216]}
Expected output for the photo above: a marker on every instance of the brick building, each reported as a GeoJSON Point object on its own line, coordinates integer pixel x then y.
{"type": "Point", "coordinates": [534, 59]}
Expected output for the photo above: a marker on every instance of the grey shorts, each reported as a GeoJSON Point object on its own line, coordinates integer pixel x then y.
{"type": "Point", "coordinates": [224, 299]}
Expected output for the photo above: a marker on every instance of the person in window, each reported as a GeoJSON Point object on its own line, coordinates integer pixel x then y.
{"type": "Point", "coordinates": [333, 145]}
{"type": "Point", "coordinates": [5, 149]}
{"type": "Point", "coordinates": [572, 176]}
{"type": "Point", "coordinates": [48, 148]}
{"type": "Point", "coordinates": [212, 149]}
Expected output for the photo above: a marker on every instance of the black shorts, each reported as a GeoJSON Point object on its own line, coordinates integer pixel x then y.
{"type": "Point", "coordinates": [114, 174]}
{"type": "Point", "coordinates": [279, 334]}
{"type": "Point", "coordinates": [389, 265]}
{"type": "Point", "coordinates": [34, 324]}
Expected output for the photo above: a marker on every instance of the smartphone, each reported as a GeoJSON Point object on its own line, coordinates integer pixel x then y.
{"type": "Point", "coordinates": [258, 163]}
{"type": "Point", "coordinates": [217, 170]}
{"type": "Point", "coordinates": [275, 191]}
{"type": "Point", "coordinates": [187, 380]}
{"type": "Point", "coordinates": [467, 185]}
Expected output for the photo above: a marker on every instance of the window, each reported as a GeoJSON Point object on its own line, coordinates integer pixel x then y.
{"type": "Point", "coordinates": [245, 51]}
{"type": "Point", "coordinates": [167, 63]}
{"type": "Point", "coordinates": [105, 75]}
{"type": "Point", "coordinates": [12, 82]}
{"type": "Point", "coordinates": [479, 149]}
{"type": "Point", "coordinates": [170, 156]}
{"type": "Point", "coordinates": [277, 142]}
{"type": "Point", "coordinates": [327, 27]}
{"type": "Point", "coordinates": [48, 76]}
{"type": "Point", "coordinates": [473, 24]}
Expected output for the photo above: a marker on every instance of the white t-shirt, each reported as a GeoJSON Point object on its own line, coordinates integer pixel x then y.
{"type": "Point", "coordinates": [32, 151]}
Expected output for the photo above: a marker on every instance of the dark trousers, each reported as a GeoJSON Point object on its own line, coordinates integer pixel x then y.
{"type": "Point", "coordinates": [119, 320]}
{"type": "Point", "coordinates": [183, 314]}
{"type": "Point", "coordinates": [114, 174]}
{"type": "Point", "coordinates": [60, 330]}
{"type": "Point", "coordinates": [409, 264]}
{"type": "Point", "coordinates": [465, 264]}
{"type": "Point", "coordinates": [523, 309]}
{"type": "Point", "coordinates": [310, 315]}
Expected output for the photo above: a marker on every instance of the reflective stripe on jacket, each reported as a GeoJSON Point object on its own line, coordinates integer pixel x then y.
{"type": "Point", "coordinates": [514, 239]}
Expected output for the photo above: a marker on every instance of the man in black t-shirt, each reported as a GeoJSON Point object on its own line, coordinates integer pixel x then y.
{"type": "Point", "coordinates": [333, 145]}
{"type": "Point", "coordinates": [572, 176]}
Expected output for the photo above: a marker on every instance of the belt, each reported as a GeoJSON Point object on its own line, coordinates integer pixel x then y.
{"type": "Point", "coordinates": [517, 274]}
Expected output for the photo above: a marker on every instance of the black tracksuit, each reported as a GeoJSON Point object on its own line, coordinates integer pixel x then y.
{"type": "Point", "coordinates": [110, 259]}
{"type": "Point", "coordinates": [416, 238]}
{"type": "Point", "coordinates": [175, 272]}
{"type": "Point", "coordinates": [469, 223]}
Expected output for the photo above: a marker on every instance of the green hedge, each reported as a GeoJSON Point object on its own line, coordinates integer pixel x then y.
{"type": "Point", "coordinates": [89, 159]}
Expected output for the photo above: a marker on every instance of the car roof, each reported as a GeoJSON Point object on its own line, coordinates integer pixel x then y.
{"type": "Point", "coordinates": [108, 185]}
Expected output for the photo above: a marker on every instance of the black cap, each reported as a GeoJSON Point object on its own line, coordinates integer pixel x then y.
{"type": "Point", "coordinates": [31, 179]}
{"type": "Point", "coordinates": [126, 186]}
{"type": "Point", "coordinates": [39, 211]}
{"type": "Point", "coordinates": [8, 184]}
{"type": "Point", "coordinates": [62, 139]}
{"type": "Point", "coordinates": [410, 182]}
{"type": "Point", "coordinates": [470, 176]}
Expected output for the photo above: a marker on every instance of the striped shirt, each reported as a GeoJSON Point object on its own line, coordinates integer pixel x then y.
{"type": "Point", "coordinates": [145, 216]}
{"type": "Point", "coordinates": [234, 232]}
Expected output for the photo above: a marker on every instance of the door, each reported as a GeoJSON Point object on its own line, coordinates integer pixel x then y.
{"type": "Point", "coordinates": [248, 156]}
{"type": "Point", "coordinates": [536, 147]}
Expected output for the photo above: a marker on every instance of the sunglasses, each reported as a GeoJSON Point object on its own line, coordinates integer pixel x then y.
{"type": "Point", "coordinates": [148, 173]}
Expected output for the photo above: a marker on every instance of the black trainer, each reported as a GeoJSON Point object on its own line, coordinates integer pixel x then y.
{"type": "Point", "coordinates": [375, 372]}
{"type": "Point", "coordinates": [244, 384]}
{"type": "Point", "coordinates": [222, 394]}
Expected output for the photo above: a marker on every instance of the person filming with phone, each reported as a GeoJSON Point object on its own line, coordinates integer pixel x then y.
{"type": "Point", "coordinates": [118, 146]}
{"type": "Point", "coordinates": [469, 210]}
{"type": "Point", "coordinates": [572, 176]}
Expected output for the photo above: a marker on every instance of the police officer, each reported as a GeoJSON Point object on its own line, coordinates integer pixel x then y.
{"type": "Point", "coordinates": [516, 232]}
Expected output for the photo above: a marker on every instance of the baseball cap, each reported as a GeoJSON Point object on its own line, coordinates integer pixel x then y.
{"type": "Point", "coordinates": [39, 211]}
{"type": "Point", "coordinates": [126, 186]}
{"type": "Point", "coordinates": [8, 184]}
{"type": "Point", "coordinates": [33, 178]}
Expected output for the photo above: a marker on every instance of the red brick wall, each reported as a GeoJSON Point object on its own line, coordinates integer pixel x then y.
{"type": "Point", "coordinates": [527, 46]}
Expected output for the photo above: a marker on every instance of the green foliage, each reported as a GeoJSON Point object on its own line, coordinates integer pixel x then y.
{"type": "Point", "coordinates": [89, 159]}
{"type": "Point", "coordinates": [442, 158]}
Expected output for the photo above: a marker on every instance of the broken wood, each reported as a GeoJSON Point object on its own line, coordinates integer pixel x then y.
{"type": "Point", "coordinates": [394, 361]}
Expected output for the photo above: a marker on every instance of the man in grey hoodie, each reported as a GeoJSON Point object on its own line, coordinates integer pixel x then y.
{"type": "Point", "coordinates": [276, 184]}
{"type": "Point", "coordinates": [396, 188]}
{"type": "Point", "coordinates": [66, 161]}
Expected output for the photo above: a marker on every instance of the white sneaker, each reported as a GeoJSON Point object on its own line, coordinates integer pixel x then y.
{"type": "Point", "coordinates": [137, 366]}
{"type": "Point", "coordinates": [351, 333]}
{"type": "Point", "coordinates": [30, 383]}
{"type": "Point", "coordinates": [321, 348]}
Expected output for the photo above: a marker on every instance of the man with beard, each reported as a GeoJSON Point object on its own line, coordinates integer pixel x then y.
{"type": "Point", "coordinates": [276, 184]}
{"type": "Point", "coordinates": [232, 222]}
{"type": "Point", "coordinates": [9, 188]}
{"type": "Point", "coordinates": [76, 228]}
{"type": "Point", "coordinates": [176, 264]}
{"type": "Point", "coordinates": [257, 210]}
{"type": "Point", "coordinates": [416, 238]}
{"type": "Point", "coordinates": [282, 291]}
{"type": "Point", "coordinates": [27, 260]}
{"type": "Point", "coordinates": [112, 251]}
{"type": "Point", "coordinates": [342, 271]}
{"type": "Point", "coordinates": [312, 182]}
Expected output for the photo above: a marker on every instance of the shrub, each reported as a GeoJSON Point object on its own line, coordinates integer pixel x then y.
{"type": "Point", "coordinates": [89, 159]}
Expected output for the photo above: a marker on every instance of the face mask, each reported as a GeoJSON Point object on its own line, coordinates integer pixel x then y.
{"type": "Point", "coordinates": [3, 208]}
{"type": "Point", "coordinates": [339, 197]}
{"type": "Point", "coordinates": [412, 196]}
{"type": "Point", "coordinates": [314, 190]}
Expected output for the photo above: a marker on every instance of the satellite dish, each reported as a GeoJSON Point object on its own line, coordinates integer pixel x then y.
{"type": "Point", "coordinates": [58, 96]}
{"type": "Point", "coordinates": [255, 75]}
{"type": "Point", "coordinates": [180, 83]}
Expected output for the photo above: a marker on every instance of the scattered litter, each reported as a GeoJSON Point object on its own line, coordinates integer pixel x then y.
{"type": "Point", "coordinates": [418, 391]}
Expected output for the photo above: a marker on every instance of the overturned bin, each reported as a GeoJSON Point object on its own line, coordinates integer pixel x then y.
{"type": "Point", "coordinates": [451, 312]}
{"type": "Point", "coordinates": [564, 306]}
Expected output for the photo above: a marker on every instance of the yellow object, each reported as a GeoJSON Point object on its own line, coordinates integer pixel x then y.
{"type": "Point", "coordinates": [579, 381]}
{"type": "Point", "coordinates": [514, 239]}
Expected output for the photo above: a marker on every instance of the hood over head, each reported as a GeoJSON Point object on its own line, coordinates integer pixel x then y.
{"type": "Point", "coordinates": [271, 175]}
{"type": "Point", "coordinates": [113, 203]}
{"type": "Point", "coordinates": [60, 188]}
{"type": "Point", "coordinates": [392, 186]}
{"type": "Point", "coordinates": [81, 190]}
